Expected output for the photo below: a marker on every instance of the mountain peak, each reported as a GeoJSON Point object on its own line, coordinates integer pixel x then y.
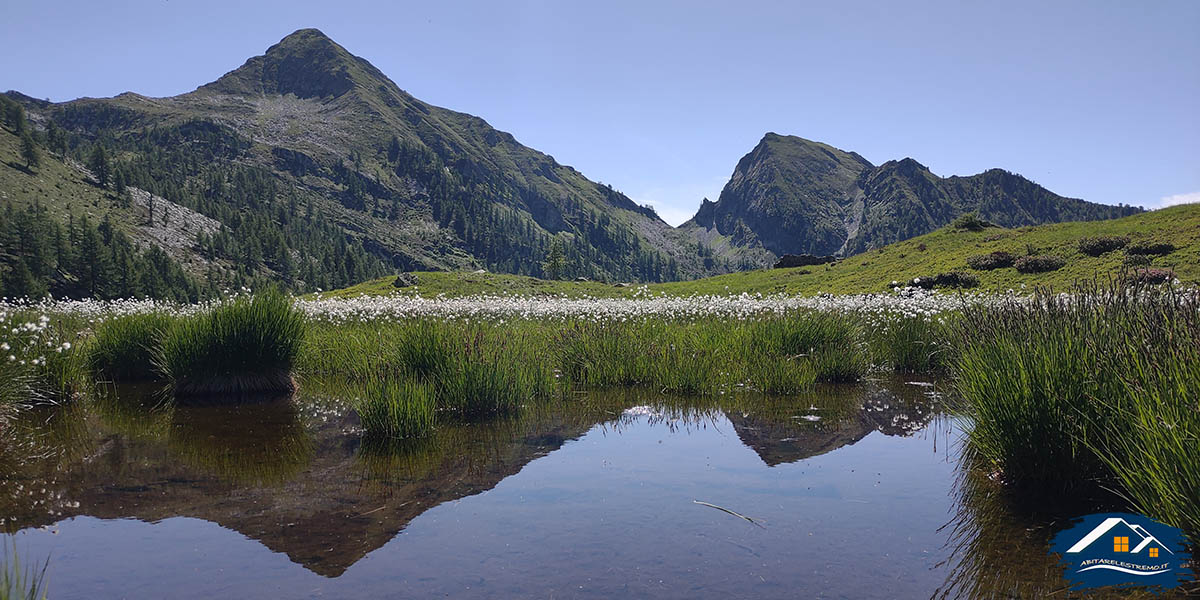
{"type": "Point", "coordinates": [305, 63]}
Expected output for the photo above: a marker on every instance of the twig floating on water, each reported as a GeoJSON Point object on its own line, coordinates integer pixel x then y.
{"type": "Point", "coordinates": [734, 513]}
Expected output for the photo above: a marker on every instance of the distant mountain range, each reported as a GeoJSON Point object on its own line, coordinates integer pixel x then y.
{"type": "Point", "coordinates": [308, 166]}
{"type": "Point", "coordinates": [794, 196]}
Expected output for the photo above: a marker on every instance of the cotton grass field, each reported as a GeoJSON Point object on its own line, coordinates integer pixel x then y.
{"type": "Point", "coordinates": [1093, 391]}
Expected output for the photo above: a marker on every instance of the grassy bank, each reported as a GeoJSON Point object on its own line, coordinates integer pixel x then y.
{"type": "Point", "coordinates": [1166, 239]}
{"type": "Point", "coordinates": [406, 375]}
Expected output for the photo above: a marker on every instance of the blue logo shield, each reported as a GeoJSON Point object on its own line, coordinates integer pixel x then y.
{"type": "Point", "coordinates": [1122, 549]}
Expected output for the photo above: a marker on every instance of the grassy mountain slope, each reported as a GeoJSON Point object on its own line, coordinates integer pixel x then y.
{"type": "Point", "coordinates": [944, 250]}
{"type": "Point", "coordinates": [795, 196]}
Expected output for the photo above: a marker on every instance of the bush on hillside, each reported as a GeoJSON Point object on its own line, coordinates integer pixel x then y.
{"type": "Point", "coordinates": [1148, 248]}
{"type": "Point", "coordinates": [1136, 260]}
{"type": "Point", "coordinates": [971, 222]}
{"type": "Point", "coordinates": [952, 279]}
{"type": "Point", "coordinates": [1039, 263]}
{"type": "Point", "coordinates": [1095, 246]}
{"type": "Point", "coordinates": [993, 260]}
{"type": "Point", "coordinates": [1150, 276]}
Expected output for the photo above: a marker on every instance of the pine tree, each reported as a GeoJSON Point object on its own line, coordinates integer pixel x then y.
{"type": "Point", "coordinates": [29, 151]}
{"type": "Point", "coordinates": [119, 182]}
{"type": "Point", "coordinates": [555, 261]}
{"type": "Point", "coordinates": [99, 165]}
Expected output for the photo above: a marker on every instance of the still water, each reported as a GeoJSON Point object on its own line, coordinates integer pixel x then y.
{"type": "Point", "coordinates": [848, 492]}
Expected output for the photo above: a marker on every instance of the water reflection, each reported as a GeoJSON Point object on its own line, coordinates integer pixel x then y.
{"type": "Point", "coordinates": [1000, 543]}
{"type": "Point", "coordinates": [290, 474]}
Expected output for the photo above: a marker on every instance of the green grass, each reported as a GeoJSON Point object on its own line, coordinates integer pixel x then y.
{"type": "Point", "coordinates": [944, 250]}
{"type": "Point", "coordinates": [478, 371]}
{"type": "Point", "coordinates": [395, 411]}
{"type": "Point", "coordinates": [18, 582]}
{"type": "Point", "coordinates": [124, 348]}
{"type": "Point", "coordinates": [245, 345]}
{"type": "Point", "coordinates": [912, 344]}
{"type": "Point", "coordinates": [1095, 392]}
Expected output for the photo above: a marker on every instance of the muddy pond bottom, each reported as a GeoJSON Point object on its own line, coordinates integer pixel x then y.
{"type": "Point", "coordinates": [847, 492]}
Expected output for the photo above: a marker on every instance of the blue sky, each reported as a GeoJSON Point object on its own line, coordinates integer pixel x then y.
{"type": "Point", "coordinates": [1097, 100]}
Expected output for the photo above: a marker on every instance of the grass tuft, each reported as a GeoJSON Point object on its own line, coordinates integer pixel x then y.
{"type": "Point", "coordinates": [246, 345]}
{"type": "Point", "coordinates": [124, 348]}
{"type": "Point", "coordinates": [21, 583]}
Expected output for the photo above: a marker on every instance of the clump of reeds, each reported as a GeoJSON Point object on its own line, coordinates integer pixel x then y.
{"type": "Point", "coordinates": [831, 342]}
{"type": "Point", "coordinates": [18, 582]}
{"type": "Point", "coordinates": [245, 345]}
{"type": "Point", "coordinates": [1094, 389]}
{"type": "Point", "coordinates": [124, 348]}
{"type": "Point", "coordinates": [1027, 373]}
{"type": "Point", "coordinates": [911, 344]}
{"type": "Point", "coordinates": [393, 411]}
{"type": "Point", "coordinates": [41, 360]}
{"type": "Point", "coordinates": [483, 379]}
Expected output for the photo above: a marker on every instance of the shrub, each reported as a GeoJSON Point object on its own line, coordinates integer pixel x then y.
{"type": "Point", "coordinates": [1136, 260]}
{"type": "Point", "coordinates": [1095, 246]}
{"type": "Point", "coordinates": [124, 348]}
{"type": "Point", "coordinates": [1150, 276]}
{"type": "Point", "coordinates": [245, 345]}
{"type": "Point", "coordinates": [990, 261]}
{"type": "Point", "coordinates": [1147, 248]}
{"type": "Point", "coordinates": [1039, 263]}
{"type": "Point", "coordinates": [970, 222]}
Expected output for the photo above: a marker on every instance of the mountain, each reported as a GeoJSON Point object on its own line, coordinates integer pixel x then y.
{"type": "Point", "coordinates": [790, 195]}
{"type": "Point", "coordinates": [309, 168]}
{"type": "Point", "coordinates": [307, 165]}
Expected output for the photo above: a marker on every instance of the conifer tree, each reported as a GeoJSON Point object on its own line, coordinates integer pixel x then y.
{"type": "Point", "coordinates": [29, 151]}
{"type": "Point", "coordinates": [98, 163]}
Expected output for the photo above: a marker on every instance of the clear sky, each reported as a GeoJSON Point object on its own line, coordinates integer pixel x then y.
{"type": "Point", "coordinates": [1096, 100]}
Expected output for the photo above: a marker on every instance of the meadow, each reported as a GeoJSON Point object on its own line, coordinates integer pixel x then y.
{"type": "Point", "coordinates": [1088, 392]}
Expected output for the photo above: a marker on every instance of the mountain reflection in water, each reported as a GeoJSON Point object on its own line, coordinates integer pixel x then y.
{"type": "Point", "coordinates": [291, 475]}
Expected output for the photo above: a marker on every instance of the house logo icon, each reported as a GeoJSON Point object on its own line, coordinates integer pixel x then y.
{"type": "Point", "coordinates": [1122, 549]}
